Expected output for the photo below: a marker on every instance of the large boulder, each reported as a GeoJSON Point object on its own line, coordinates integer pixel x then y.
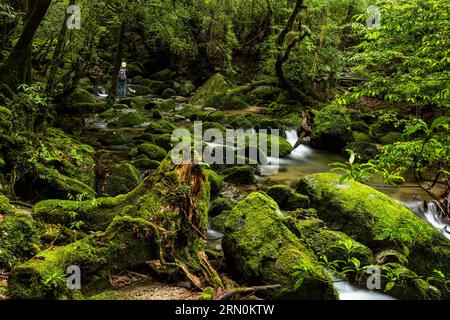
{"type": "Point", "coordinates": [131, 119]}
{"type": "Point", "coordinates": [122, 179]}
{"type": "Point", "coordinates": [151, 151]}
{"type": "Point", "coordinates": [261, 249]}
{"type": "Point", "coordinates": [287, 199]}
{"type": "Point", "coordinates": [332, 129]}
{"type": "Point", "coordinates": [377, 221]}
{"type": "Point", "coordinates": [216, 85]}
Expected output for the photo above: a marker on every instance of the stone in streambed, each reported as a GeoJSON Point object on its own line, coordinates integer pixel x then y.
{"type": "Point", "coordinates": [262, 250]}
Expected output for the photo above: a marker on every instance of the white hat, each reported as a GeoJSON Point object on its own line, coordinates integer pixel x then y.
{"type": "Point", "coordinates": [124, 64]}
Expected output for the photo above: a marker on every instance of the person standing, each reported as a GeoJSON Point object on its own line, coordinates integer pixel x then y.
{"type": "Point", "coordinates": [97, 74]}
{"type": "Point", "coordinates": [123, 80]}
{"type": "Point", "coordinates": [305, 130]}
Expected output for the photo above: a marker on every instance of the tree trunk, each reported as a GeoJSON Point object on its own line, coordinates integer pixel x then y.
{"type": "Point", "coordinates": [283, 55]}
{"type": "Point", "coordinates": [17, 67]}
{"type": "Point", "coordinates": [117, 62]}
{"type": "Point", "coordinates": [57, 54]}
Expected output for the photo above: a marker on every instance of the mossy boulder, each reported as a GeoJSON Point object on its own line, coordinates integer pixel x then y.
{"type": "Point", "coordinates": [226, 102]}
{"type": "Point", "coordinates": [361, 137]}
{"type": "Point", "coordinates": [160, 127]}
{"type": "Point", "coordinates": [391, 138]}
{"type": "Point", "coordinates": [262, 250]}
{"type": "Point", "coordinates": [332, 129]}
{"type": "Point", "coordinates": [168, 93]}
{"type": "Point", "coordinates": [128, 242]}
{"type": "Point", "coordinates": [336, 245]}
{"type": "Point", "coordinates": [241, 122]}
{"type": "Point", "coordinates": [81, 96]}
{"type": "Point", "coordinates": [163, 75]}
{"type": "Point", "coordinates": [112, 138]}
{"type": "Point", "coordinates": [219, 205]}
{"type": "Point", "coordinates": [287, 199]}
{"type": "Point", "coordinates": [123, 179]}
{"type": "Point", "coordinates": [377, 221]}
{"type": "Point", "coordinates": [218, 222]}
{"type": "Point", "coordinates": [19, 239]}
{"type": "Point", "coordinates": [408, 285]}
{"type": "Point", "coordinates": [216, 181]}
{"type": "Point", "coordinates": [243, 175]}
{"type": "Point", "coordinates": [162, 140]}
{"type": "Point", "coordinates": [364, 151]}
{"type": "Point", "coordinates": [146, 164]}
{"type": "Point", "coordinates": [216, 85]}
{"type": "Point", "coordinates": [131, 119]}
{"type": "Point", "coordinates": [151, 151]}
{"type": "Point", "coordinates": [360, 126]}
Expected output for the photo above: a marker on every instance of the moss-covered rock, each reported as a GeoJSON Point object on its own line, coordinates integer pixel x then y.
{"type": "Point", "coordinates": [131, 119]}
{"type": "Point", "coordinates": [218, 222]}
{"type": "Point", "coordinates": [332, 130]}
{"type": "Point", "coordinates": [168, 93]}
{"type": "Point", "coordinates": [127, 243]}
{"type": "Point", "coordinates": [81, 96]}
{"type": "Point", "coordinates": [377, 221]}
{"type": "Point", "coordinates": [219, 205]}
{"type": "Point", "coordinates": [241, 122]}
{"type": "Point", "coordinates": [146, 164]}
{"type": "Point", "coordinates": [360, 126]}
{"type": "Point", "coordinates": [244, 175]}
{"type": "Point", "coordinates": [361, 137]}
{"type": "Point", "coordinates": [287, 199]}
{"type": "Point", "coordinates": [262, 250]}
{"type": "Point", "coordinates": [123, 179]}
{"type": "Point", "coordinates": [162, 140]}
{"type": "Point", "coordinates": [151, 151]}
{"type": "Point", "coordinates": [338, 246]}
{"type": "Point", "coordinates": [216, 180]}
{"type": "Point", "coordinates": [407, 285]}
{"type": "Point", "coordinates": [226, 102]}
{"type": "Point", "coordinates": [19, 239]}
{"type": "Point", "coordinates": [391, 138]}
{"type": "Point", "coordinates": [112, 138]}
{"type": "Point", "coordinates": [364, 151]}
{"type": "Point", "coordinates": [160, 127]}
{"type": "Point", "coordinates": [216, 85]}
{"type": "Point", "coordinates": [163, 75]}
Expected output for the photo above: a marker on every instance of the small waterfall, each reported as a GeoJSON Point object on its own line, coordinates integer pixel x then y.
{"type": "Point", "coordinates": [303, 150]}
{"type": "Point", "coordinates": [433, 217]}
{"type": "Point", "coordinates": [349, 292]}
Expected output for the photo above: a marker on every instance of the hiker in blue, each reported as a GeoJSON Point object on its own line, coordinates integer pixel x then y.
{"type": "Point", "coordinates": [123, 81]}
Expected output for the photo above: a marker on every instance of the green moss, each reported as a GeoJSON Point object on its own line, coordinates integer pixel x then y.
{"type": "Point", "coordinates": [407, 285]}
{"type": "Point", "coordinates": [82, 96]}
{"type": "Point", "coordinates": [160, 127]}
{"type": "Point", "coordinates": [131, 119]}
{"type": "Point", "coordinates": [149, 150]}
{"type": "Point", "coordinates": [338, 246]}
{"type": "Point", "coordinates": [332, 130]}
{"type": "Point", "coordinates": [244, 175]}
{"type": "Point", "coordinates": [219, 205]}
{"type": "Point", "coordinates": [360, 126]}
{"type": "Point", "coordinates": [216, 181]}
{"type": "Point", "coordinates": [123, 179]}
{"type": "Point", "coordinates": [377, 221]}
{"type": "Point", "coordinates": [216, 85]}
{"type": "Point", "coordinates": [226, 102]}
{"type": "Point", "coordinates": [218, 222]}
{"type": "Point", "coordinates": [145, 163]}
{"type": "Point", "coordinates": [261, 249]}
{"type": "Point", "coordinates": [361, 136]}
{"type": "Point", "coordinates": [364, 151]}
{"type": "Point", "coordinates": [112, 138]}
{"type": "Point", "coordinates": [18, 240]}
{"type": "Point", "coordinates": [390, 255]}
{"type": "Point", "coordinates": [241, 122]}
{"type": "Point", "coordinates": [288, 199]}
{"type": "Point", "coordinates": [391, 138]}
